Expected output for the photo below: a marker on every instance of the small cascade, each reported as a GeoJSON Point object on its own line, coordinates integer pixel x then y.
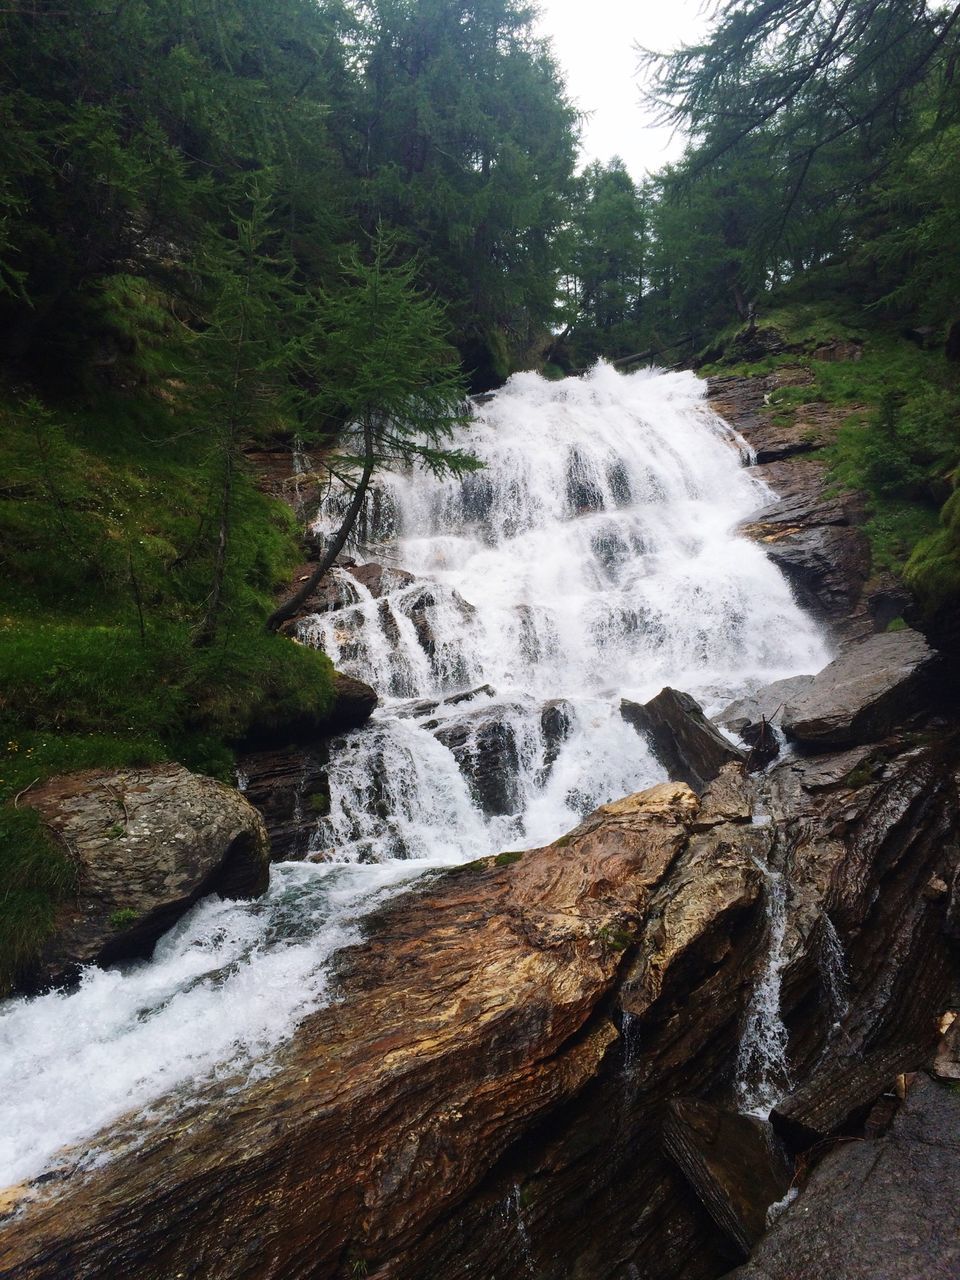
{"type": "Point", "coordinates": [511, 1210]}
{"type": "Point", "coordinates": [763, 1074]}
{"type": "Point", "coordinates": [833, 971]}
{"type": "Point", "coordinates": [631, 1043]}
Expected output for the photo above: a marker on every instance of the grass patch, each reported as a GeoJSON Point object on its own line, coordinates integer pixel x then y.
{"type": "Point", "coordinates": [108, 521]}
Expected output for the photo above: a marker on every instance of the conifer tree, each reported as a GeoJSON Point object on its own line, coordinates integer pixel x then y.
{"type": "Point", "coordinates": [385, 383]}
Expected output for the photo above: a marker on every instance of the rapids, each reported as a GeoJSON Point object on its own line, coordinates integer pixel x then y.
{"type": "Point", "coordinates": [593, 558]}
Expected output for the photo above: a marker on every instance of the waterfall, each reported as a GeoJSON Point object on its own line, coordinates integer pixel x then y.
{"type": "Point", "coordinates": [593, 558]}
{"type": "Point", "coordinates": [763, 1074]}
{"type": "Point", "coordinates": [833, 970]}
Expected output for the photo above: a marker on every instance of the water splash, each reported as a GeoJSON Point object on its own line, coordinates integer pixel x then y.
{"type": "Point", "coordinates": [511, 1211]}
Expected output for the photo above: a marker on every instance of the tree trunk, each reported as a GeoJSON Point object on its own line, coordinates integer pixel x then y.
{"type": "Point", "coordinates": [290, 607]}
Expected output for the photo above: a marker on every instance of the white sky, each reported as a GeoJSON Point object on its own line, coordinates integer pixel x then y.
{"type": "Point", "coordinates": [593, 41]}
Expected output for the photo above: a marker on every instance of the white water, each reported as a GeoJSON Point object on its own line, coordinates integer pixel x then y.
{"type": "Point", "coordinates": [763, 1073]}
{"type": "Point", "coordinates": [593, 559]}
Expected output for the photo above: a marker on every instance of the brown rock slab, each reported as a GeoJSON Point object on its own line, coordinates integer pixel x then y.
{"type": "Point", "coordinates": [148, 844]}
{"type": "Point", "coordinates": [465, 1108]}
{"type": "Point", "coordinates": [396, 1100]}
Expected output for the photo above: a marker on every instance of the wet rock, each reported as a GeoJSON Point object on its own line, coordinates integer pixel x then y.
{"type": "Point", "coordinates": [335, 590]}
{"type": "Point", "coordinates": [841, 1091]}
{"type": "Point", "coordinates": [861, 695]}
{"type": "Point", "coordinates": [147, 843]}
{"type": "Point", "coordinates": [428, 706]}
{"type": "Point", "coordinates": [484, 745]}
{"type": "Point", "coordinates": [689, 747]}
{"type": "Point", "coordinates": [880, 1210]}
{"type": "Point", "coordinates": [556, 725]}
{"type": "Point", "coordinates": [379, 578]}
{"type": "Point", "coordinates": [733, 1162]}
{"type": "Point", "coordinates": [288, 788]}
{"type": "Point", "coordinates": [766, 704]}
{"type": "Point", "coordinates": [486, 1096]}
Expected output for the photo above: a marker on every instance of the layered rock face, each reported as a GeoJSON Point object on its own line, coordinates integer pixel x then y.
{"type": "Point", "coordinates": [147, 844]}
{"type": "Point", "coordinates": [814, 536]}
{"type": "Point", "coordinates": [488, 1095]}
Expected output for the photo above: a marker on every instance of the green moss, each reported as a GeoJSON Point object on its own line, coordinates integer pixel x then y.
{"type": "Point", "coordinates": [124, 917]}
{"type": "Point", "coordinates": [319, 803]}
{"type": "Point", "coordinates": [614, 938]}
{"type": "Point", "coordinates": [508, 858]}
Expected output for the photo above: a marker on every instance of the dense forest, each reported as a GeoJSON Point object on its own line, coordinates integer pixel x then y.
{"type": "Point", "coordinates": [227, 223]}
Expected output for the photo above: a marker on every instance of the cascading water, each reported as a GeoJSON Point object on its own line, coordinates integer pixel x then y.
{"type": "Point", "coordinates": [592, 559]}
{"type": "Point", "coordinates": [763, 1073]}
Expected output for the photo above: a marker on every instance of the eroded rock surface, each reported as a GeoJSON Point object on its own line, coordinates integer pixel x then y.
{"type": "Point", "coordinates": [148, 843]}
{"type": "Point", "coordinates": [864, 693]}
{"type": "Point", "coordinates": [488, 1095]}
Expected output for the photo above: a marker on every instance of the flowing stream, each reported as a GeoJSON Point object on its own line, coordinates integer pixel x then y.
{"type": "Point", "coordinates": [593, 559]}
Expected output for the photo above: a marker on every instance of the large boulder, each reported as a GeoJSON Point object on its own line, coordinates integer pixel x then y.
{"type": "Point", "coordinates": [689, 747]}
{"type": "Point", "coordinates": [860, 696]}
{"type": "Point", "coordinates": [880, 1210]}
{"type": "Point", "coordinates": [147, 843]}
{"type": "Point", "coordinates": [353, 704]}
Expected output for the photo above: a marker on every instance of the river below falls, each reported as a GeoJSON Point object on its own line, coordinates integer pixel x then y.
{"type": "Point", "coordinates": [593, 558]}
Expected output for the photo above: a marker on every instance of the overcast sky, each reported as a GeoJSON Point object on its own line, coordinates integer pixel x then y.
{"type": "Point", "coordinates": [594, 44]}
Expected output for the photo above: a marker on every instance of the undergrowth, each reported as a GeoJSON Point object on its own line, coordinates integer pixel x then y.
{"type": "Point", "coordinates": [106, 543]}
{"type": "Point", "coordinates": [900, 443]}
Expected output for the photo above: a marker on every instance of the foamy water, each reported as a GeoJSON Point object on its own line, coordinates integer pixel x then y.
{"type": "Point", "coordinates": [594, 558]}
